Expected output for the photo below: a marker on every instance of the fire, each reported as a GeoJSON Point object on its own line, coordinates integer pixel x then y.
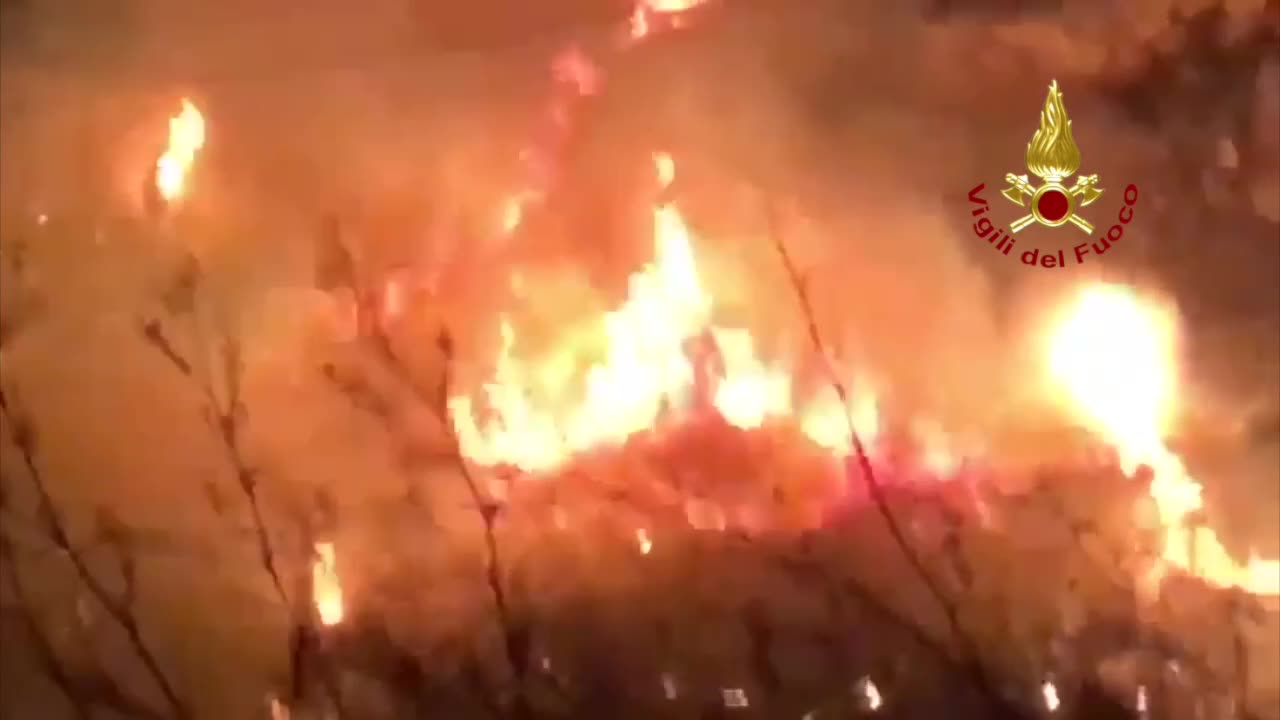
{"type": "Point", "coordinates": [644, 368]}
{"type": "Point", "coordinates": [871, 694]}
{"type": "Point", "coordinates": [643, 541]}
{"type": "Point", "coordinates": [539, 412]}
{"type": "Point", "coordinates": [186, 138]}
{"type": "Point", "coordinates": [646, 11]}
{"type": "Point", "coordinates": [326, 590]}
{"type": "Point", "coordinates": [749, 391]}
{"type": "Point", "coordinates": [826, 422]}
{"type": "Point", "coordinates": [1113, 356]}
{"type": "Point", "coordinates": [1049, 692]}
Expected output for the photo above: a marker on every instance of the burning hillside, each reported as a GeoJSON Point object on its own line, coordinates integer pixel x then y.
{"type": "Point", "coordinates": [657, 396]}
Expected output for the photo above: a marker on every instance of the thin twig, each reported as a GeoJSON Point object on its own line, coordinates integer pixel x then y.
{"type": "Point", "coordinates": [225, 422]}
{"type": "Point", "coordinates": [515, 635]}
{"type": "Point", "coordinates": [876, 492]}
{"type": "Point", "coordinates": [44, 648]}
{"type": "Point", "coordinates": [122, 614]}
{"type": "Point", "coordinates": [340, 271]}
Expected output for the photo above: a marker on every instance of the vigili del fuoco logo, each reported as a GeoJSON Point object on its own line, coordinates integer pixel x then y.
{"type": "Point", "coordinates": [1053, 157]}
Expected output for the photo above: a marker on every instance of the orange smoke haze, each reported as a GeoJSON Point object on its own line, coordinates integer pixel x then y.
{"type": "Point", "coordinates": [480, 192]}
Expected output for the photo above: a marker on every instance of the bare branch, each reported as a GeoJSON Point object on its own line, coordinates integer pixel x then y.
{"type": "Point", "coordinates": [44, 648]}
{"type": "Point", "coordinates": [876, 492]}
{"type": "Point", "coordinates": [225, 421]}
{"type": "Point", "coordinates": [515, 632]}
{"type": "Point", "coordinates": [339, 271]}
{"type": "Point", "coordinates": [23, 436]}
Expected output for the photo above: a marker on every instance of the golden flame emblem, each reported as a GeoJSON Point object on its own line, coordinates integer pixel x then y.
{"type": "Point", "coordinates": [1052, 156]}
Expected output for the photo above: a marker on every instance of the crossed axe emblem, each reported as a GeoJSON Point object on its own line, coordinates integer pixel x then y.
{"type": "Point", "coordinates": [1083, 193]}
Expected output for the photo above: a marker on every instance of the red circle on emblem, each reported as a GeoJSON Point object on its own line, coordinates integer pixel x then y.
{"type": "Point", "coordinates": [1053, 205]}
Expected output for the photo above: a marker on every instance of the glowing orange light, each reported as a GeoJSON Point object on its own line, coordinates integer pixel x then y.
{"type": "Point", "coordinates": [186, 138]}
{"type": "Point", "coordinates": [538, 411]}
{"type": "Point", "coordinates": [643, 541]}
{"type": "Point", "coordinates": [1112, 354]}
{"type": "Point", "coordinates": [325, 587]}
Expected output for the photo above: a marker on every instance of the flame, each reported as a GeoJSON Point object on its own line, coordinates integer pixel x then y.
{"type": "Point", "coordinates": [536, 413]}
{"type": "Point", "coordinates": [1112, 355]}
{"type": "Point", "coordinates": [826, 422]}
{"type": "Point", "coordinates": [573, 69]}
{"type": "Point", "coordinates": [1049, 692]}
{"type": "Point", "coordinates": [575, 76]}
{"type": "Point", "coordinates": [513, 211]}
{"type": "Point", "coordinates": [643, 541]}
{"type": "Point", "coordinates": [539, 412]}
{"type": "Point", "coordinates": [871, 694]}
{"type": "Point", "coordinates": [186, 137]}
{"type": "Point", "coordinates": [1052, 153]}
{"type": "Point", "coordinates": [645, 12]}
{"type": "Point", "coordinates": [326, 590]}
{"type": "Point", "coordinates": [749, 391]}
{"type": "Point", "coordinates": [644, 368]}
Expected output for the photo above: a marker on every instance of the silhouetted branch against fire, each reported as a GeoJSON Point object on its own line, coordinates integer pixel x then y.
{"type": "Point", "coordinates": [336, 270]}
{"type": "Point", "coordinates": [119, 607]}
{"type": "Point", "coordinates": [225, 413]}
{"type": "Point", "coordinates": [225, 417]}
{"type": "Point", "coordinates": [968, 646]}
{"type": "Point", "coordinates": [51, 663]}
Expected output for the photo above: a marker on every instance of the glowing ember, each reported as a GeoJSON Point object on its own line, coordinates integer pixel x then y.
{"type": "Point", "coordinates": [666, 169]}
{"type": "Point", "coordinates": [325, 587]}
{"type": "Point", "coordinates": [1112, 355]}
{"type": "Point", "coordinates": [279, 711]}
{"type": "Point", "coordinates": [735, 697]}
{"type": "Point", "coordinates": [669, 688]}
{"type": "Point", "coordinates": [1049, 692]}
{"type": "Point", "coordinates": [186, 137]}
{"type": "Point", "coordinates": [643, 541]}
{"type": "Point", "coordinates": [646, 12]}
{"type": "Point", "coordinates": [513, 211]}
{"type": "Point", "coordinates": [871, 694]}
{"type": "Point", "coordinates": [574, 69]}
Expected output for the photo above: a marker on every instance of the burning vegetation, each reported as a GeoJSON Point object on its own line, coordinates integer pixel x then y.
{"type": "Point", "coordinates": [761, 476]}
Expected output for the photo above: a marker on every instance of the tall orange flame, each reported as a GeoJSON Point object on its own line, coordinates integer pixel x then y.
{"type": "Point", "coordinates": [186, 138]}
{"type": "Point", "coordinates": [538, 412]}
{"type": "Point", "coordinates": [326, 589]}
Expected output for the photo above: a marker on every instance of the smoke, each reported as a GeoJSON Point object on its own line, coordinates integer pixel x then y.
{"type": "Point", "coordinates": [859, 128]}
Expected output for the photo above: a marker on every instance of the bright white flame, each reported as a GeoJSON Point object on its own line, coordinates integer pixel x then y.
{"type": "Point", "coordinates": [749, 392]}
{"type": "Point", "coordinates": [1050, 693]}
{"type": "Point", "coordinates": [871, 694]}
{"type": "Point", "coordinates": [1112, 356]}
